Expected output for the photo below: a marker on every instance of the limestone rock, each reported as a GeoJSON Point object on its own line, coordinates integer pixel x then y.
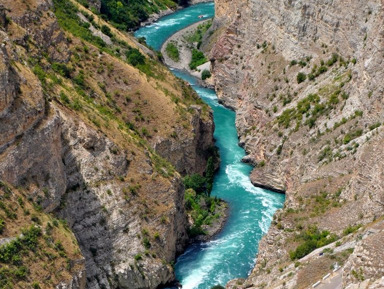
{"type": "Point", "coordinates": [123, 202]}
{"type": "Point", "coordinates": [259, 49]}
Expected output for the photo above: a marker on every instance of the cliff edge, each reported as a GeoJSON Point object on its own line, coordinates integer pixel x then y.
{"type": "Point", "coordinates": [305, 80]}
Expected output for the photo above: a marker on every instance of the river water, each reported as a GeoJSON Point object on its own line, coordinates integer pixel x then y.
{"type": "Point", "coordinates": [232, 253]}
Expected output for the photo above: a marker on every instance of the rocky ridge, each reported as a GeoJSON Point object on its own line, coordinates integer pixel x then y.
{"type": "Point", "coordinates": [87, 135]}
{"type": "Point", "coordinates": [305, 80]}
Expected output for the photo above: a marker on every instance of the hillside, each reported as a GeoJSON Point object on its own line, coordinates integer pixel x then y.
{"type": "Point", "coordinates": [94, 130]}
{"type": "Point", "coordinates": [305, 79]}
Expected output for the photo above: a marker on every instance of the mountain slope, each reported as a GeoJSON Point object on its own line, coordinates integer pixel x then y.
{"type": "Point", "coordinates": [97, 132]}
{"type": "Point", "coordinates": [305, 81]}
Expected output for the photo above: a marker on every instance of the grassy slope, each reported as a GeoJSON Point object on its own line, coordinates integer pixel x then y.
{"type": "Point", "coordinates": [128, 14]}
{"type": "Point", "coordinates": [46, 248]}
{"type": "Point", "coordinates": [130, 103]}
{"type": "Point", "coordinates": [127, 102]}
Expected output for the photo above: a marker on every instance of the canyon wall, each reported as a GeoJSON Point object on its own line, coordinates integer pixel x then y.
{"type": "Point", "coordinates": [305, 79]}
{"type": "Point", "coordinates": [98, 141]}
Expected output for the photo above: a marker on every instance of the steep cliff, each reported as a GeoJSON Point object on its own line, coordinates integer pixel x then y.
{"type": "Point", "coordinates": [305, 80]}
{"type": "Point", "coordinates": [96, 131]}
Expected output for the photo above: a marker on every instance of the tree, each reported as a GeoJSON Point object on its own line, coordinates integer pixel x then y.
{"type": "Point", "coordinates": [134, 57]}
{"type": "Point", "coordinates": [206, 74]}
{"type": "Point", "coordinates": [195, 182]}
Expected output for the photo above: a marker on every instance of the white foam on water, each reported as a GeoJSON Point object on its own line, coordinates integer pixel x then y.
{"type": "Point", "coordinates": [218, 260]}
{"type": "Point", "coordinates": [209, 261]}
{"type": "Point", "coordinates": [235, 176]}
{"type": "Point", "coordinates": [170, 22]}
{"type": "Point", "coordinates": [264, 224]}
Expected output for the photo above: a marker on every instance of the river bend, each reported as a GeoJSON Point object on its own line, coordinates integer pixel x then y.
{"type": "Point", "coordinates": [232, 253]}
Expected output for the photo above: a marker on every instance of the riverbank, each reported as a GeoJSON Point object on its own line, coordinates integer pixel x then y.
{"type": "Point", "coordinates": [185, 54]}
{"type": "Point", "coordinates": [217, 225]}
{"type": "Point", "coordinates": [231, 253]}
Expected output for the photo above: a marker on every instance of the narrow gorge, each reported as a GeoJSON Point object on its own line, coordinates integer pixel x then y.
{"type": "Point", "coordinates": [98, 140]}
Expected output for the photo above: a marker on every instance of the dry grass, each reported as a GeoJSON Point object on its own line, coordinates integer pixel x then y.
{"type": "Point", "coordinates": [47, 265]}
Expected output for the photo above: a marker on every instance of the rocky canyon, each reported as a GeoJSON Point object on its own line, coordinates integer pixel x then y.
{"type": "Point", "coordinates": [96, 135]}
{"type": "Point", "coordinates": [305, 80]}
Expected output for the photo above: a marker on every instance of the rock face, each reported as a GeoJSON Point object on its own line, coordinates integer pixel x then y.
{"type": "Point", "coordinates": [97, 148]}
{"type": "Point", "coordinates": [305, 80]}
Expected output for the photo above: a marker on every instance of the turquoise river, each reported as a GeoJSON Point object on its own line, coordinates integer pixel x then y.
{"type": "Point", "coordinates": [232, 253]}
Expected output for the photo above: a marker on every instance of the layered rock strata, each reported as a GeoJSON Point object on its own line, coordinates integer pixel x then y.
{"type": "Point", "coordinates": [87, 136]}
{"type": "Point", "coordinates": [305, 80]}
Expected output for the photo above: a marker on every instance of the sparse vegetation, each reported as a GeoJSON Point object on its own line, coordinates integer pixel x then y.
{"type": "Point", "coordinates": [172, 51]}
{"type": "Point", "coordinates": [202, 210]}
{"type": "Point", "coordinates": [205, 74]}
{"type": "Point", "coordinates": [198, 34]}
{"type": "Point", "coordinates": [352, 135]}
{"type": "Point", "coordinates": [311, 239]}
{"type": "Point", "coordinates": [128, 14]}
{"type": "Point", "coordinates": [301, 77]}
{"type": "Point", "coordinates": [135, 57]}
{"type": "Point", "coordinates": [198, 59]}
{"type": "Point", "coordinates": [351, 229]}
{"type": "Point", "coordinates": [22, 259]}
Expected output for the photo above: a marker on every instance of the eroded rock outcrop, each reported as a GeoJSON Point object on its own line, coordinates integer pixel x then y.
{"type": "Point", "coordinates": [85, 135]}
{"type": "Point", "coordinates": [305, 80]}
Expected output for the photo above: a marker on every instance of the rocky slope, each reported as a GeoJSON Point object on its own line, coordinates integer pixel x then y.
{"type": "Point", "coordinates": [305, 80]}
{"type": "Point", "coordinates": [95, 137]}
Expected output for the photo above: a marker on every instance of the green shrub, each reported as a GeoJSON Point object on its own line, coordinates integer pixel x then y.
{"type": "Point", "coordinates": [79, 79]}
{"type": "Point", "coordinates": [206, 74]}
{"type": "Point", "coordinates": [172, 51]}
{"type": "Point", "coordinates": [134, 57]}
{"type": "Point", "coordinates": [303, 249]}
{"type": "Point", "coordinates": [146, 243]}
{"type": "Point", "coordinates": [40, 73]}
{"type": "Point", "coordinates": [128, 14]}
{"type": "Point", "coordinates": [311, 76]}
{"type": "Point", "coordinates": [198, 59]}
{"type": "Point", "coordinates": [64, 97]}
{"type": "Point", "coordinates": [322, 69]}
{"type": "Point", "coordinates": [374, 126]}
{"type": "Point", "coordinates": [352, 135]}
{"type": "Point", "coordinates": [11, 252]}
{"type": "Point", "coordinates": [2, 225]}
{"type": "Point", "coordinates": [138, 257]}
{"type": "Point", "coordinates": [325, 153]}
{"type": "Point", "coordinates": [333, 59]}
{"type": "Point", "coordinates": [286, 117]}
{"type": "Point", "coordinates": [313, 239]}
{"type": "Point", "coordinates": [351, 229]}
{"type": "Point", "coordinates": [62, 69]}
{"type": "Point", "coordinates": [106, 30]}
{"type": "Point", "coordinates": [301, 77]}
{"type": "Point", "coordinates": [195, 182]}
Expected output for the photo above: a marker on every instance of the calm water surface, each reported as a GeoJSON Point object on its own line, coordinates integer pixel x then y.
{"type": "Point", "coordinates": [232, 253]}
